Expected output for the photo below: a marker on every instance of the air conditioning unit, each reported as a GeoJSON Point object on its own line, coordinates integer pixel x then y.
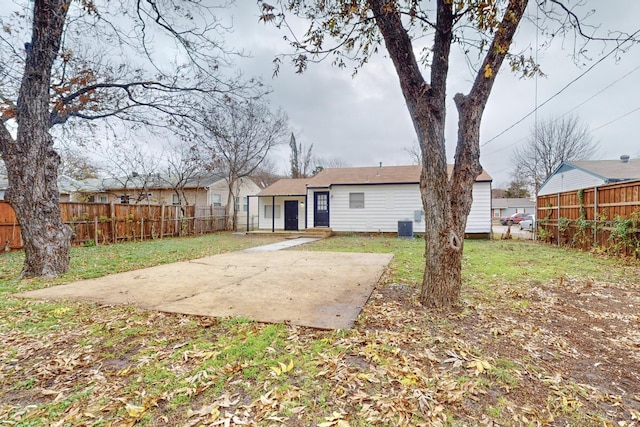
{"type": "Point", "coordinates": [405, 229]}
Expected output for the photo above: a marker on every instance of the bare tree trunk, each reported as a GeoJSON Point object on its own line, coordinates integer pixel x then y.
{"type": "Point", "coordinates": [231, 206]}
{"type": "Point", "coordinates": [32, 163]}
{"type": "Point", "coordinates": [447, 201]}
{"type": "Point", "coordinates": [33, 194]}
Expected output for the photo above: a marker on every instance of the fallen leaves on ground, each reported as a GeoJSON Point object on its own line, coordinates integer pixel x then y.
{"type": "Point", "coordinates": [569, 356]}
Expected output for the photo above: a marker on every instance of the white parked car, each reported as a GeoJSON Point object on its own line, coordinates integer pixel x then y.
{"type": "Point", "coordinates": [528, 223]}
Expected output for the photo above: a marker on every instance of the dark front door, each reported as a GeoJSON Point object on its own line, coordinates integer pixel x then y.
{"type": "Point", "coordinates": [290, 214]}
{"type": "Point", "coordinates": [321, 209]}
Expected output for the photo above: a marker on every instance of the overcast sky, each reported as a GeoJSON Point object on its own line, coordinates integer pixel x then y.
{"type": "Point", "coordinates": [363, 120]}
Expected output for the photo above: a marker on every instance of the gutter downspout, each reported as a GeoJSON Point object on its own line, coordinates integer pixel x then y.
{"type": "Point", "coordinates": [273, 214]}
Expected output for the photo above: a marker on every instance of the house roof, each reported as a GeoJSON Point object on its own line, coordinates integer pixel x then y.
{"type": "Point", "coordinates": [609, 170]}
{"type": "Point", "coordinates": [286, 187]}
{"type": "Point", "coordinates": [352, 176]}
{"type": "Point", "coordinates": [151, 181]}
{"type": "Point", "coordinates": [606, 170]}
{"type": "Point", "coordinates": [512, 203]}
{"type": "Point", "coordinates": [66, 184]}
{"type": "Point", "coordinates": [376, 175]}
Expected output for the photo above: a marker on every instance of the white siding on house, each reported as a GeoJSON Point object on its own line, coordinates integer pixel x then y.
{"type": "Point", "coordinates": [479, 220]}
{"type": "Point", "coordinates": [573, 179]}
{"type": "Point", "coordinates": [264, 220]}
{"type": "Point", "coordinates": [385, 205]}
{"type": "Point", "coordinates": [244, 188]}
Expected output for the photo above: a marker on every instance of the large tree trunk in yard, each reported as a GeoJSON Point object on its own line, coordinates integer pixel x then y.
{"type": "Point", "coordinates": [446, 200]}
{"type": "Point", "coordinates": [32, 164]}
{"type": "Point", "coordinates": [33, 194]}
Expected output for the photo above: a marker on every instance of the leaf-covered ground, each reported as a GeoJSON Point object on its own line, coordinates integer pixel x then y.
{"type": "Point", "coordinates": [543, 336]}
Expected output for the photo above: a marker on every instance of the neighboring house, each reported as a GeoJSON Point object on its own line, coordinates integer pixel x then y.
{"type": "Point", "coordinates": [66, 187]}
{"type": "Point", "coordinates": [505, 207]}
{"type": "Point", "coordinates": [4, 184]}
{"type": "Point", "coordinates": [365, 199]}
{"type": "Point", "coordinates": [210, 190]}
{"type": "Point", "coordinates": [576, 175]}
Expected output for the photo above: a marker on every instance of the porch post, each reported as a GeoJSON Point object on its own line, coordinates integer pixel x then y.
{"type": "Point", "coordinates": [273, 214]}
{"type": "Point", "coordinates": [306, 225]}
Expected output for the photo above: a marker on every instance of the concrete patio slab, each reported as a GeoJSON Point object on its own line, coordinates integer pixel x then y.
{"type": "Point", "coordinates": [317, 289]}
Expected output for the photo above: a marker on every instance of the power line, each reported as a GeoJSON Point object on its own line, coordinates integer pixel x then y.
{"type": "Point", "coordinates": [602, 90]}
{"type": "Point", "coordinates": [616, 119]}
{"type": "Point", "coordinates": [576, 107]}
{"type": "Point", "coordinates": [561, 90]}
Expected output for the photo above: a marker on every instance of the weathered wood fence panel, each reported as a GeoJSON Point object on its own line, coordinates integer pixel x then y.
{"type": "Point", "coordinates": [606, 217]}
{"type": "Point", "coordinates": [10, 237]}
{"type": "Point", "coordinates": [101, 223]}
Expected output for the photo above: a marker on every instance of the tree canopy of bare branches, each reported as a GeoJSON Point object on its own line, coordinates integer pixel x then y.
{"type": "Point", "coordinates": [71, 64]}
{"type": "Point", "coordinates": [418, 34]}
{"type": "Point", "coordinates": [238, 137]}
{"type": "Point", "coordinates": [552, 142]}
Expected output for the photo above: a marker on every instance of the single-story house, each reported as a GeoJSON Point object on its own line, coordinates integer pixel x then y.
{"type": "Point", "coordinates": [505, 207]}
{"type": "Point", "coordinates": [209, 190]}
{"type": "Point", "coordinates": [65, 187]}
{"type": "Point", "coordinates": [574, 175]}
{"type": "Point", "coordinates": [360, 199]}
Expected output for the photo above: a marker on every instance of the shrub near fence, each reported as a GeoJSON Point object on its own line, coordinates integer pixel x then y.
{"type": "Point", "coordinates": [605, 217]}
{"type": "Point", "coordinates": [100, 223]}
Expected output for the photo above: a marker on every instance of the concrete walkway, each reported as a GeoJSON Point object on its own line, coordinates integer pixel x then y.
{"type": "Point", "coordinates": [281, 245]}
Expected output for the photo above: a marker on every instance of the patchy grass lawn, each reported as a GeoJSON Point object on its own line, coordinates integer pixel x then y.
{"type": "Point", "coordinates": [543, 336]}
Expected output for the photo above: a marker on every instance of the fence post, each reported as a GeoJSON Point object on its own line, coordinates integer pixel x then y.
{"type": "Point", "coordinates": [95, 228]}
{"type": "Point", "coordinates": [176, 229]}
{"type": "Point", "coordinates": [559, 244]}
{"type": "Point", "coordinates": [595, 217]}
{"type": "Point", "coordinates": [141, 228]}
{"type": "Point", "coordinates": [114, 223]}
{"type": "Point", "coordinates": [162, 221]}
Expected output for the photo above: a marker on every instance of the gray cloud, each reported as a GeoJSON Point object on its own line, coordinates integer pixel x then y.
{"type": "Point", "coordinates": [363, 120]}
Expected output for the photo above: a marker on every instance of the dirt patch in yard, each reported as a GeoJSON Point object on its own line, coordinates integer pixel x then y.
{"type": "Point", "coordinates": [575, 345]}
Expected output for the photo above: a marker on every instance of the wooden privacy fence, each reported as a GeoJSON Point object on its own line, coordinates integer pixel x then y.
{"type": "Point", "coordinates": [606, 217]}
{"type": "Point", "coordinates": [101, 223]}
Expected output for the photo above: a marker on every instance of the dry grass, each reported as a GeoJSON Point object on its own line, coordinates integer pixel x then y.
{"type": "Point", "coordinates": [543, 336]}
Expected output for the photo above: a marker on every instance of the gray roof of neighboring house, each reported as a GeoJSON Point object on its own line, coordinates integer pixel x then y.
{"type": "Point", "coordinates": [151, 181]}
{"type": "Point", "coordinates": [512, 203]}
{"type": "Point", "coordinates": [66, 184]}
{"type": "Point", "coordinates": [609, 170]}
